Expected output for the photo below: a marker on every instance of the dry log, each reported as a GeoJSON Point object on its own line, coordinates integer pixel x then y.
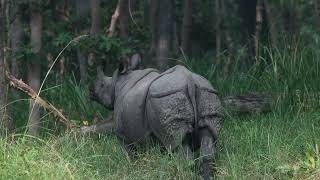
{"type": "Point", "coordinates": [259, 22]}
{"type": "Point", "coordinates": [251, 103]}
{"type": "Point", "coordinates": [20, 85]}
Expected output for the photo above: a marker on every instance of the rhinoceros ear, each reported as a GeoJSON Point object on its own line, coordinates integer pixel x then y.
{"type": "Point", "coordinates": [100, 72]}
{"type": "Point", "coordinates": [127, 64]}
{"type": "Point", "coordinates": [123, 66]}
{"type": "Point", "coordinates": [135, 62]}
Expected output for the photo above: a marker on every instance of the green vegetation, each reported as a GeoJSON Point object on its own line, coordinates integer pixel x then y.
{"type": "Point", "coordinates": [282, 144]}
{"type": "Point", "coordinates": [258, 147]}
{"type": "Point", "coordinates": [240, 46]}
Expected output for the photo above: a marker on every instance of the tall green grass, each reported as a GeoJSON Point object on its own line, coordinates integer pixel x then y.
{"type": "Point", "coordinates": [73, 157]}
{"type": "Point", "coordinates": [291, 74]}
{"type": "Point", "coordinates": [282, 144]}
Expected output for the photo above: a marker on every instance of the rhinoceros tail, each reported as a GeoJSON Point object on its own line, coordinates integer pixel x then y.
{"type": "Point", "coordinates": [192, 92]}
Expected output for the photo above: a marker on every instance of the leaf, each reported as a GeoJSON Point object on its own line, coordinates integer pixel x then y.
{"type": "Point", "coordinates": [311, 160]}
{"type": "Point", "coordinates": [85, 123]}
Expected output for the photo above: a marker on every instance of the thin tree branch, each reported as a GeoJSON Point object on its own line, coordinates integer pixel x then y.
{"type": "Point", "coordinates": [114, 20]}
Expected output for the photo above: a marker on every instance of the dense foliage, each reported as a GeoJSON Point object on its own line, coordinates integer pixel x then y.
{"type": "Point", "coordinates": [281, 58]}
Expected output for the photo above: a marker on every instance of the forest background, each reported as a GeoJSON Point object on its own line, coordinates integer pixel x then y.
{"type": "Point", "coordinates": [245, 46]}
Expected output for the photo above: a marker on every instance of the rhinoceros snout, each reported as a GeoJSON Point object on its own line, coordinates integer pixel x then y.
{"type": "Point", "coordinates": [92, 95]}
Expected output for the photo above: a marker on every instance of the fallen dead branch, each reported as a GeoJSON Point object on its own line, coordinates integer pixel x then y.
{"type": "Point", "coordinates": [104, 126]}
{"type": "Point", "coordinates": [251, 103]}
{"type": "Point", "coordinates": [20, 85]}
{"type": "Point", "coordinates": [101, 127]}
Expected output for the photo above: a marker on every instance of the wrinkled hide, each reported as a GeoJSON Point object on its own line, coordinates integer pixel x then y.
{"type": "Point", "coordinates": [170, 105]}
{"type": "Point", "coordinates": [129, 106]}
{"type": "Point", "coordinates": [179, 103]}
{"type": "Point", "coordinates": [177, 107]}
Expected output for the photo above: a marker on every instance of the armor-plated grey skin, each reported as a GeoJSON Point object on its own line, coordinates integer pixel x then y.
{"type": "Point", "coordinates": [177, 107]}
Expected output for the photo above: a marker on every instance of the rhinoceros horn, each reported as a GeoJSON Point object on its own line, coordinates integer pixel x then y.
{"type": "Point", "coordinates": [123, 66]}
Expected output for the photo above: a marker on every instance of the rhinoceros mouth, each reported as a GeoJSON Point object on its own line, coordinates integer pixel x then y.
{"type": "Point", "coordinates": [92, 95]}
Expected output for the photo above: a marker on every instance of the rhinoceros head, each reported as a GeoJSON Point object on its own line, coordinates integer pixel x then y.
{"type": "Point", "coordinates": [103, 90]}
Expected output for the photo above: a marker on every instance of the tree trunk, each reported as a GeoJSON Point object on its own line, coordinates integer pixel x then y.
{"type": "Point", "coordinates": [258, 29]}
{"type": "Point", "coordinates": [165, 32]}
{"type": "Point", "coordinates": [114, 20]}
{"type": "Point", "coordinates": [65, 13]}
{"type": "Point", "coordinates": [248, 26]}
{"type": "Point", "coordinates": [228, 43]}
{"type": "Point", "coordinates": [153, 6]}
{"type": "Point", "coordinates": [34, 69]}
{"type": "Point", "coordinates": [16, 42]}
{"type": "Point", "coordinates": [83, 66]}
{"type": "Point", "coordinates": [81, 11]}
{"type": "Point", "coordinates": [3, 84]}
{"type": "Point", "coordinates": [95, 26]}
{"type": "Point", "coordinates": [271, 24]}
{"type": "Point", "coordinates": [317, 12]}
{"type": "Point", "coordinates": [95, 17]}
{"type": "Point", "coordinates": [124, 18]}
{"type": "Point", "coordinates": [16, 33]}
{"type": "Point", "coordinates": [65, 18]}
{"type": "Point", "coordinates": [218, 29]}
{"type": "Point", "coordinates": [187, 26]}
{"type": "Point", "coordinates": [121, 16]}
{"type": "Point", "coordinates": [291, 20]}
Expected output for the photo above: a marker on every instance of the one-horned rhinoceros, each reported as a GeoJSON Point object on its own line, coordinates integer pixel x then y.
{"type": "Point", "coordinates": [177, 107]}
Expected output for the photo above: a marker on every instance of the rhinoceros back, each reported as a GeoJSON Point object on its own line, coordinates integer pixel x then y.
{"type": "Point", "coordinates": [174, 100]}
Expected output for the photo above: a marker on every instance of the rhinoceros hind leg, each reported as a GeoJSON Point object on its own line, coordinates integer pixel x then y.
{"type": "Point", "coordinates": [207, 151]}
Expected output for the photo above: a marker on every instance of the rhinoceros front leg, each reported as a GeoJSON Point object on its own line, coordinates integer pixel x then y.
{"type": "Point", "coordinates": [187, 152]}
{"type": "Point", "coordinates": [207, 151]}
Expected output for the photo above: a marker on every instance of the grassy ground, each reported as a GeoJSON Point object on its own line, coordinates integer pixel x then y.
{"type": "Point", "coordinates": [282, 144]}
{"type": "Point", "coordinates": [257, 147]}
{"type": "Point", "coordinates": [270, 147]}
